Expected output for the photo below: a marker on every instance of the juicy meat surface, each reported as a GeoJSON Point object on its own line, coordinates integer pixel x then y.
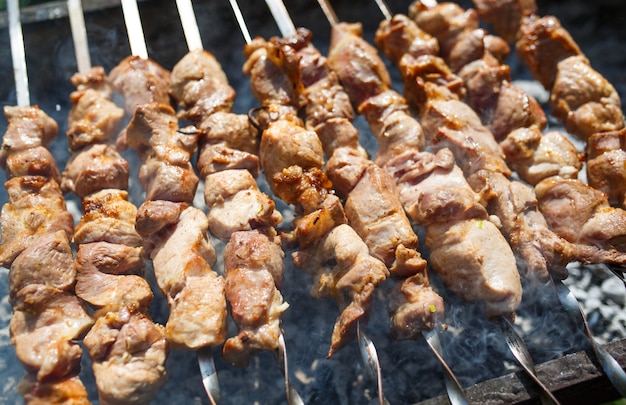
{"type": "Point", "coordinates": [27, 127]}
{"type": "Point", "coordinates": [141, 81]}
{"type": "Point", "coordinates": [44, 325]}
{"type": "Point", "coordinates": [584, 100]}
{"type": "Point", "coordinates": [606, 165]}
{"type": "Point", "coordinates": [95, 168]}
{"type": "Point", "coordinates": [66, 391]}
{"type": "Point", "coordinates": [505, 16]}
{"type": "Point", "coordinates": [182, 257]}
{"type": "Point", "coordinates": [47, 259]}
{"type": "Point", "coordinates": [254, 272]}
{"type": "Point", "coordinates": [535, 156]}
{"type": "Point", "coordinates": [166, 172]}
{"type": "Point", "coordinates": [129, 353]}
{"type": "Point", "coordinates": [35, 206]}
{"type": "Point", "coordinates": [108, 216]}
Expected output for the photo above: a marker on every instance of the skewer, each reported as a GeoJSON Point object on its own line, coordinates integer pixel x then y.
{"type": "Point", "coordinates": [134, 28]}
{"type": "Point", "coordinates": [367, 349]}
{"type": "Point", "coordinates": [614, 372]}
{"type": "Point", "coordinates": [79, 35]}
{"type": "Point", "coordinates": [192, 35]}
{"type": "Point", "coordinates": [513, 339]}
{"type": "Point", "coordinates": [18, 54]}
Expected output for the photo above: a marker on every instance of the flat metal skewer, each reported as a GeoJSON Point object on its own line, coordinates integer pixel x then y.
{"type": "Point", "coordinates": [18, 54]}
{"type": "Point", "coordinates": [369, 355]}
{"type": "Point", "coordinates": [207, 368]}
{"type": "Point", "coordinates": [611, 367]}
{"type": "Point", "coordinates": [79, 35]}
{"type": "Point", "coordinates": [138, 48]}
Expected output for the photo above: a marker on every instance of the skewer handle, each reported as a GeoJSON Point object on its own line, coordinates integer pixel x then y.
{"type": "Point", "coordinates": [282, 17]}
{"type": "Point", "coordinates": [190, 25]}
{"type": "Point", "coordinates": [79, 35]}
{"type": "Point", "coordinates": [18, 54]}
{"type": "Point", "coordinates": [240, 20]}
{"type": "Point", "coordinates": [134, 29]}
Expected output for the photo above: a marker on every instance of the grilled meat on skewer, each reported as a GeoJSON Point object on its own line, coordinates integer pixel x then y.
{"type": "Point", "coordinates": [292, 159]}
{"type": "Point", "coordinates": [431, 186]}
{"type": "Point", "coordinates": [581, 98]}
{"type": "Point", "coordinates": [174, 232]}
{"type": "Point", "coordinates": [371, 197]}
{"type": "Point", "coordinates": [454, 28]}
{"type": "Point", "coordinates": [128, 349]}
{"type": "Point", "coordinates": [239, 213]}
{"type": "Point", "coordinates": [36, 232]}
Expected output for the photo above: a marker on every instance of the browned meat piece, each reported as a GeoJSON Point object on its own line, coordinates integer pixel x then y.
{"type": "Point", "coordinates": [27, 127]}
{"type": "Point", "coordinates": [514, 109]}
{"type": "Point", "coordinates": [44, 324]}
{"type": "Point", "coordinates": [584, 100]}
{"type": "Point", "coordinates": [467, 250]}
{"type": "Point", "coordinates": [400, 36]}
{"type": "Point", "coordinates": [535, 157]}
{"type": "Point", "coordinates": [92, 119]}
{"type": "Point", "coordinates": [388, 115]}
{"type": "Point", "coordinates": [414, 306]}
{"type": "Point", "coordinates": [182, 256]}
{"type": "Point", "coordinates": [284, 144]}
{"type": "Point", "coordinates": [129, 353]}
{"type": "Point", "coordinates": [541, 251]}
{"type": "Point", "coordinates": [606, 165]}
{"type": "Point", "coordinates": [141, 81]}
{"type": "Point", "coordinates": [254, 272]}
{"type": "Point", "coordinates": [66, 391]}
{"type": "Point", "coordinates": [166, 172]}
{"type": "Point", "coordinates": [236, 204]}
{"type": "Point", "coordinates": [343, 269]}
{"type": "Point", "coordinates": [581, 214]}
{"type": "Point", "coordinates": [200, 86]}
{"type": "Point", "coordinates": [268, 82]}
{"type": "Point", "coordinates": [94, 168]}
{"type": "Point", "coordinates": [95, 79]}
{"type": "Point", "coordinates": [362, 72]}
{"type": "Point", "coordinates": [105, 277]}
{"type": "Point", "coordinates": [35, 206]}
{"type": "Point", "coordinates": [46, 259]}
{"type": "Point", "coordinates": [375, 212]}
{"type": "Point", "coordinates": [542, 43]}
{"type": "Point", "coordinates": [108, 216]}
{"type": "Point", "coordinates": [505, 16]}
{"type": "Point", "coordinates": [36, 161]}
{"type": "Point", "coordinates": [450, 123]}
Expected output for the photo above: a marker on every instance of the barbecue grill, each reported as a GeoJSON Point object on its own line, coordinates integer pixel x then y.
{"type": "Point", "coordinates": [473, 347]}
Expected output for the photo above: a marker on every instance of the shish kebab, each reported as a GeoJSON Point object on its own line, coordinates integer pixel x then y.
{"type": "Point", "coordinates": [240, 215]}
{"type": "Point", "coordinates": [370, 194]}
{"type": "Point", "coordinates": [36, 232]}
{"type": "Point", "coordinates": [292, 158]}
{"type": "Point", "coordinates": [175, 233]}
{"type": "Point", "coordinates": [354, 61]}
{"type": "Point", "coordinates": [127, 348]}
{"type": "Point", "coordinates": [549, 162]}
{"type": "Point", "coordinates": [579, 96]}
{"type": "Point", "coordinates": [413, 69]}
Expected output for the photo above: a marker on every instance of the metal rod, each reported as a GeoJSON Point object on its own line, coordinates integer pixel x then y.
{"type": "Point", "coordinates": [329, 12]}
{"type": "Point", "coordinates": [281, 16]}
{"type": "Point", "coordinates": [240, 20]}
{"type": "Point", "coordinates": [79, 35]}
{"type": "Point", "coordinates": [190, 25]}
{"type": "Point", "coordinates": [453, 387]}
{"type": "Point", "coordinates": [134, 29]}
{"type": "Point", "coordinates": [18, 54]}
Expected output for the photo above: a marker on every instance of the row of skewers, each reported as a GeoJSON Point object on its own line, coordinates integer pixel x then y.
{"type": "Point", "coordinates": [316, 205]}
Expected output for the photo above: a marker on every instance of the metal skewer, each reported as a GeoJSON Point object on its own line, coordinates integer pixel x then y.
{"type": "Point", "coordinates": [209, 375]}
{"type": "Point", "coordinates": [18, 54]}
{"type": "Point", "coordinates": [453, 387]}
{"type": "Point", "coordinates": [138, 48]}
{"type": "Point", "coordinates": [369, 355]}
